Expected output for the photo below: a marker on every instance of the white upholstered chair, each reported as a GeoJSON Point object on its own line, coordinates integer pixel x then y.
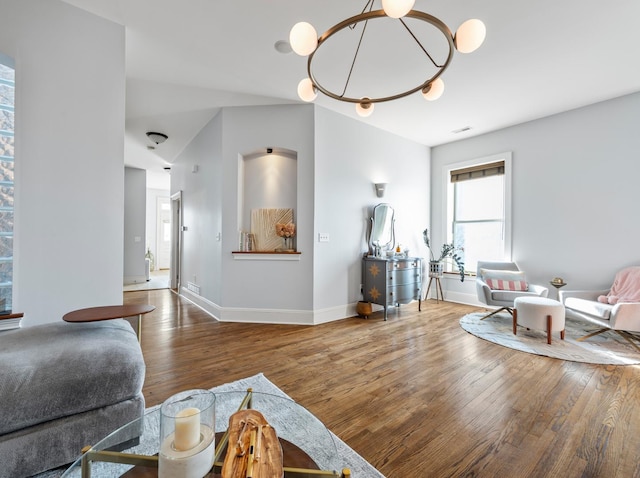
{"type": "Point", "coordinates": [623, 317]}
{"type": "Point", "coordinates": [498, 284]}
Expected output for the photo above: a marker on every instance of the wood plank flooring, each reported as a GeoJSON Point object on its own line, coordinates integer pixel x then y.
{"type": "Point", "coordinates": [416, 396]}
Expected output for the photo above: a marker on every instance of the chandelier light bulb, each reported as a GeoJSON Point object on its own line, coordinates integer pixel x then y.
{"type": "Point", "coordinates": [470, 36]}
{"type": "Point", "coordinates": [364, 108]}
{"type": "Point", "coordinates": [433, 90]}
{"type": "Point", "coordinates": [397, 8]}
{"type": "Point", "coordinates": [303, 38]}
{"type": "Point", "coordinates": [306, 91]}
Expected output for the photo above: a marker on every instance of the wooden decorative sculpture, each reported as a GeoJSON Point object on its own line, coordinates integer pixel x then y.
{"type": "Point", "coordinates": [253, 450]}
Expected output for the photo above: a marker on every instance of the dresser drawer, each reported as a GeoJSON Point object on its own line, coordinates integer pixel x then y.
{"type": "Point", "coordinates": [402, 265]}
{"type": "Point", "coordinates": [404, 276]}
{"type": "Point", "coordinates": [403, 294]}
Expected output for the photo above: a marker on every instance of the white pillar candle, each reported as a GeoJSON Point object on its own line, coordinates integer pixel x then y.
{"type": "Point", "coordinates": [187, 434]}
{"type": "Point", "coordinates": [194, 463]}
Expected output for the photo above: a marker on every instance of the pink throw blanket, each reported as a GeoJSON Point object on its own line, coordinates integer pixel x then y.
{"type": "Point", "coordinates": [625, 288]}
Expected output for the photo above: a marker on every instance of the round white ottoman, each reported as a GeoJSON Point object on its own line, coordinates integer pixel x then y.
{"type": "Point", "coordinates": [539, 313]}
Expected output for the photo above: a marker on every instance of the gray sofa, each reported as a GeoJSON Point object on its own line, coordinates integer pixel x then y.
{"type": "Point", "coordinates": [64, 386]}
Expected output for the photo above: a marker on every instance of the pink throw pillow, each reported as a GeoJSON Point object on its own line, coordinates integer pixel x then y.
{"type": "Point", "coordinates": [499, 284]}
{"type": "Point", "coordinates": [608, 299]}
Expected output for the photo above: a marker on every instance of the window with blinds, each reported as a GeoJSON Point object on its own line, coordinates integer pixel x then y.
{"type": "Point", "coordinates": [7, 102]}
{"type": "Point", "coordinates": [478, 217]}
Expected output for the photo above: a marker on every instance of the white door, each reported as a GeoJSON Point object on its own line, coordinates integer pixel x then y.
{"type": "Point", "coordinates": [163, 235]}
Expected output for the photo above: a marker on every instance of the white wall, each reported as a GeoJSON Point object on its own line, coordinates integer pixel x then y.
{"type": "Point", "coordinates": [202, 212]}
{"type": "Point", "coordinates": [69, 157]}
{"type": "Point", "coordinates": [268, 181]}
{"type": "Point", "coordinates": [281, 288]}
{"type": "Point", "coordinates": [575, 201]}
{"type": "Point", "coordinates": [350, 157]}
{"type": "Point", "coordinates": [338, 159]}
{"type": "Point", "coordinates": [135, 198]}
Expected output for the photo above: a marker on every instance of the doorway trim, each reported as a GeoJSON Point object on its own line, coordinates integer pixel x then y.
{"type": "Point", "coordinates": [176, 241]}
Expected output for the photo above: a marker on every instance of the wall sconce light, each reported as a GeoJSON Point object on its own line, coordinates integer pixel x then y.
{"type": "Point", "coordinates": [380, 188]}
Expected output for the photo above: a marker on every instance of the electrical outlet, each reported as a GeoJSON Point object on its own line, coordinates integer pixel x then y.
{"type": "Point", "coordinates": [323, 237]}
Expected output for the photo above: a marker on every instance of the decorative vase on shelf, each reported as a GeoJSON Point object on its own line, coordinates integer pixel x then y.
{"type": "Point", "coordinates": [286, 232]}
{"type": "Point", "coordinates": [436, 269]}
{"type": "Point", "coordinates": [287, 244]}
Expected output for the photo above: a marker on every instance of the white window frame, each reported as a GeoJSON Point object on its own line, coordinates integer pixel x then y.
{"type": "Point", "coordinates": [448, 199]}
{"type": "Point", "coordinates": [8, 62]}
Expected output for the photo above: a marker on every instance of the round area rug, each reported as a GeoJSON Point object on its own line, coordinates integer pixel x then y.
{"type": "Point", "coordinates": [606, 348]}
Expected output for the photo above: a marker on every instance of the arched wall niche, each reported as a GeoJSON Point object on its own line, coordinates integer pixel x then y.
{"type": "Point", "coordinates": [267, 179]}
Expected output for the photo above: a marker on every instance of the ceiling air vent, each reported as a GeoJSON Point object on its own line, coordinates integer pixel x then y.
{"type": "Point", "coordinates": [461, 130]}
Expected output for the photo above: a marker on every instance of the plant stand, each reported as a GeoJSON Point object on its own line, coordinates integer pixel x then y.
{"type": "Point", "coordinates": [436, 271]}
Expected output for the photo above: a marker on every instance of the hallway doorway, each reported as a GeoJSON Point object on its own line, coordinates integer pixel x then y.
{"type": "Point", "coordinates": [163, 233]}
{"type": "Point", "coordinates": [157, 280]}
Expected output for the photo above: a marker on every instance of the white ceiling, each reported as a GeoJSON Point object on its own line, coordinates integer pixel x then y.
{"type": "Point", "coordinates": [186, 59]}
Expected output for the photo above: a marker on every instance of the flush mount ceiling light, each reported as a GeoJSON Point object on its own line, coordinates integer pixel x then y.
{"type": "Point", "coordinates": [304, 41]}
{"type": "Point", "coordinates": [157, 138]}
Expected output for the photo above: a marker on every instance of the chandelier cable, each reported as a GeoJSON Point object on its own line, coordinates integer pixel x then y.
{"type": "Point", "coordinates": [355, 56]}
{"type": "Point", "coordinates": [420, 44]}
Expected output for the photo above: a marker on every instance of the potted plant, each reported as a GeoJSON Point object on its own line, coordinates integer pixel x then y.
{"type": "Point", "coordinates": [448, 251]}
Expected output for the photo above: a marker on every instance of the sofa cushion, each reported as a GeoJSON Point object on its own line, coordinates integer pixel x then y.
{"type": "Point", "coordinates": [59, 369]}
{"type": "Point", "coordinates": [505, 280]}
{"type": "Point", "coordinates": [589, 307]}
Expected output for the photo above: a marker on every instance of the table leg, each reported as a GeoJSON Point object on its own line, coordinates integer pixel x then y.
{"type": "Point", "coordinates": [85, 466]}
{"type": "Point", "coordinates": [139, 328]}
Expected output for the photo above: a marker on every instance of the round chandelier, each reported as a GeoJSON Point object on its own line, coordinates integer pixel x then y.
{"type": "Point", "coordinates": [304, 41]}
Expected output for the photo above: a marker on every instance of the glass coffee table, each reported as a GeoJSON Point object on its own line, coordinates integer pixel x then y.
{"type": "Point", "coordinates": [309, 450]}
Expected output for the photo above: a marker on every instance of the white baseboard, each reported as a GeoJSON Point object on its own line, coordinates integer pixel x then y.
{"type": "Point", "coordinates": [460, 298]}
{"type": "Point", "coordinates": [296, 317]}
{"type": "Point", "coordinates": [269, 316]}
{"type": "Point", "coordinates": [209, 307]}
{"type": "Point", "coordinates": [128, 280]}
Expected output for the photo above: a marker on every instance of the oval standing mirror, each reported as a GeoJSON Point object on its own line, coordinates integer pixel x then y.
{"type": "Point", "coordinates": [382, 236]}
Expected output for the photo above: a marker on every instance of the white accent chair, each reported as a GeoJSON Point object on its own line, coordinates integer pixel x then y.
{"type": "Point", "coordinates": [503, 299]}
{"type": "Point", "coordinates": [622, 317]}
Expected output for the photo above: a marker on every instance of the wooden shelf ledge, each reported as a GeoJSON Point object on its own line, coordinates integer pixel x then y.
{"type": "Point", "coordinates": [266, 256]}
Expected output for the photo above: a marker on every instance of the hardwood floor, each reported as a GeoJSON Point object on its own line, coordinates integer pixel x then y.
{"type": "Point", "coordinates": [416, 396]}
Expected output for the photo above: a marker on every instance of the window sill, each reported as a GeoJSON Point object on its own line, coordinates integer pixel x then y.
{"type": "Point", "coordinates": [453, 275]}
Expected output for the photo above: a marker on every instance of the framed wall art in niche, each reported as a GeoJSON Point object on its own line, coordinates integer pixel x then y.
{"type": "Point", "coordinates": [263, 227]}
